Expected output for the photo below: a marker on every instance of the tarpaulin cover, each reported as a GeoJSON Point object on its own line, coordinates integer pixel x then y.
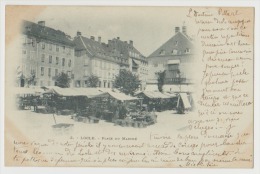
{"type": "Point", "coordinates": [185, 100]}
{"type": "Point", "coordinates": [155, 95]}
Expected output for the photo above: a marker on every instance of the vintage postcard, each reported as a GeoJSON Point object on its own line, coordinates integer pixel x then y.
{"type": "Point", "coordinates": [122, 86]}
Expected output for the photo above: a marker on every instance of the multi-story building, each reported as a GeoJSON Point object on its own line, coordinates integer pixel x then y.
{"type": "Point", "coordinates": [175, 57]}
{"type": "Point", "coordinates": [46, 52]}
{"type": "Point", "coordinates": [105, 60]}
{"type": "Point", "coordinates": [138, 63]}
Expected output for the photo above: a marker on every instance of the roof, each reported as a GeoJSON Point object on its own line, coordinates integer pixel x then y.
{"type": "Point", "coordinates": [115, 50]}
{"type": "Point", "coordinates": [45, 33]}
{"type": "Point", "coordinates": [126, 49]}
{"type": "Point", "coordinates": [98, 49]}
{"type": "Point", "coordinates": [174, 46]}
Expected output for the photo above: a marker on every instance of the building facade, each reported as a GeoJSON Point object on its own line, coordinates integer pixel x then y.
{"type": "Point", "coordinates": [175, 57]}
{"type": "Point", "coordinates": [93, 57]}
{"type": "Point", "coordinates": [46, 53]}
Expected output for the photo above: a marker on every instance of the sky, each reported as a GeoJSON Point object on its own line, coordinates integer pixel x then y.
{"type": "Point", "coordinates": [148, 27]}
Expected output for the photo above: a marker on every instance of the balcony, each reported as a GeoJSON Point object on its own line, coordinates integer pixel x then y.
{"type": "Point", "coordinates": [176, 80]}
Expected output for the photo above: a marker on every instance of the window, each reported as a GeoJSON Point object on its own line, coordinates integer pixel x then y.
{"type": "Point", "coordinates": [49, 72]}
{"type": "Point", "coordinates": [174, 52]}
{"type": "Point", "coordinates": [85, 62]}
{"type": "Point", "coordinates": [69, 64]}
{"type": "Point", "coordinates": [57, 48]}
{"type": "Point", "coordinates": [86, 72]}
{"type": "Point", "coordinates": [57, 60]}
{"type": "Point", "coordinates": [56, 72]}
{"type": "Point", "coordinates": [162, 52]}
{"type": "Point", "coordinates": [50, 59]}
{"type": "Point", "coordinates": [50, 46]}
{"type": "Point", "coordinates": [63, 61]}
{"type": "Point", "coordinates": [156, 65]}
{"type": "Point", "coordinates": [24, 51]}
{"type": "Point", "coordinates": [69, 73]}
{"type": "Point", "coordinates": [187, 50]}
{"type": "Point", "coordinates": [43, 45]}
{"type": "Point", "coordinates": [42, 71]}
{"type": "Point", "coordinates": [64, 48]}
{"type": "Point", "coordinates": [43, 57]}
{"type": "Point", "coordinates": [78, 83]}
{"type": "Point", "coordinates": [23, 39]}
{"type": "Point", "coordinates": [31, 54]}
{"type": "Point", "coordinates": [176, 43]}
{"type": "Point", "coordinates": [33, 42]}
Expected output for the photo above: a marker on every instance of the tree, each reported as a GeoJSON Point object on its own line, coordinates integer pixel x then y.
{"type": "Point", "coordinates": [160, 79]}
{"type": "Point", "coordinates": [63, 80]}
{"type": "Point", "coordinates": [92, 81]}
{"type": "Point", "coordinates": [127, 82]}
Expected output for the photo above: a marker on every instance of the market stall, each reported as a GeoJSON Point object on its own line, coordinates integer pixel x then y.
{"type": "Point", "coordinates": [155, 100]}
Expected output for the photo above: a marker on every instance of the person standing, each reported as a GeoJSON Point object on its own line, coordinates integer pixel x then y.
{"type": "Point", "coordinates": [35, 104]}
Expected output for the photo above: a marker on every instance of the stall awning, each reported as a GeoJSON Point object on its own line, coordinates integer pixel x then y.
{"type": "Point", "coordinates": [155, 95]}
{"type": "Point", "coordinates": [117, 95]}
{"type": "Point", "coordinates": [89, 92]}
{"type": "Point", "coordinates": [185, 100]}
{"type": "Point", "coordinates": [172, 62]}
{"type": "Point", "coordinates": [66, 92]}
{"type": "Point", "coordinates": [138, 62]}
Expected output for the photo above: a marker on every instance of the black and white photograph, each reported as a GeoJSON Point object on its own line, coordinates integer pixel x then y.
{"type": "Point", "coordinates": [123, 86]}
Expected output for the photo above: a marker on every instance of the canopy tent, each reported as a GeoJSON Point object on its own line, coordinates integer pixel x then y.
{"type": "Point", "coordinates": [89, 92]}
{"type": "Point", "coordinates": [137, 62]}
{"type": "Point", "coordinates": [170, 94]}
{"type": "Point", "coordinates": [66, 92]}
{"type": "Point", "coordinates": [172, 62]}
{"type": "Point", "coordinates": [117, 95]}
{"type": "Point", "coordinates": [155, 95]}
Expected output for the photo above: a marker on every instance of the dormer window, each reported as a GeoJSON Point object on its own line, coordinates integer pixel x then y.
{"type": "Point", "coordinates": [187, 50]}
{"type": "Point", "coordinates": [176, 43]}
{"type": "Point", "coordinates": [174, 52]}
{"type": "Point", "coordinates": [162, 52]}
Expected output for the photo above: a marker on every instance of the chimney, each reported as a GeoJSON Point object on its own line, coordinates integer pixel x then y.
{"type": "Point", "coordinates": [41, 23]}
{"type": "Point", "coordinates": [109, 42]}
{"type": "Point", "coordinates": [118, 38]}
{"type": "Point", "coordinates": [184, 30]}
{"type": "Point", "coordinates": [78, 33]}
{"type": "Point", "coordinates": [131, 43]}
{"type": "Point", "coordinates": [92, 37]}
{"type": "Point", "coordinates": [99, 39]}
{"type": "Point", "coordinates": [177, 30]}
